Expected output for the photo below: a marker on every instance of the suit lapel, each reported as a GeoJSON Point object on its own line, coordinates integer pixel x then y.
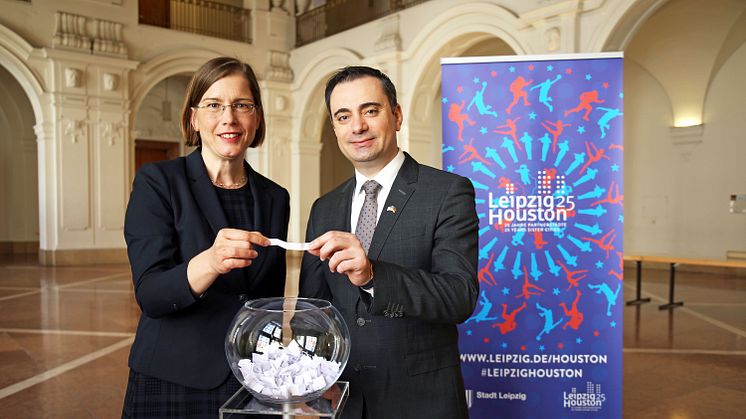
{"type": "Point", "coordinates": [402, 189]}
{"type": "Point", "coordinates": [204, 193]}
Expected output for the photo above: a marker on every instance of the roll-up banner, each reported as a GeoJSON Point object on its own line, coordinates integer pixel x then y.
{"type": "Point", "coordinates": [541, 139]}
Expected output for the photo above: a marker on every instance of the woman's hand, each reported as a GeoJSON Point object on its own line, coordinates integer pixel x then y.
{"type": "Point", "coordinates": [231, 249]}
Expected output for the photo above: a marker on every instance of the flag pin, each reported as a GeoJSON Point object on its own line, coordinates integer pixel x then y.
{"type": "Point", "coordinates": [391, 209]}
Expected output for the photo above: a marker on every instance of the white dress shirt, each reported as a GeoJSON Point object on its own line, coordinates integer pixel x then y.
{"type": "Point", "coordinates": [385, 178]}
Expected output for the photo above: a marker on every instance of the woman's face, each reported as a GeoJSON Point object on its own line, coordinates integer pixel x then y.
{"type": "Point", "coordinates": [227, 133]}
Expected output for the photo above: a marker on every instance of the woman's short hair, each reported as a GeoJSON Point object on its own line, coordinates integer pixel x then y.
{"type": "Point", "coordinates": [206, 76]}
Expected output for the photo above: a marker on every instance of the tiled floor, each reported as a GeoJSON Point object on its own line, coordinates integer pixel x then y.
{"type": "Point", "coordinates": [65, 335]}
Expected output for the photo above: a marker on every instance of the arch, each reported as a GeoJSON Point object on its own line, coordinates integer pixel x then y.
{"type": "Point", "coordinates": [624, 20]}
{"type": "Point", "coordinates": [14, 54]}
{"type": "Point", "coordinates": [166, 65]}
{"type": "Point", "coordinates": [310, 86]}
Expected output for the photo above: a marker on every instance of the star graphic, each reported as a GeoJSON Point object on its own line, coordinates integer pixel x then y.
{"type": "Point", "coordinates": [511, 69]}
{"type": "Point", "coordinates": [550, 68]}
{"type": "Point", "coordinates": [444, 100]}
{"type": "Point", "coordinates": [460, 89]}
{"type": "Point", "coordinates": [486, 340]}
{"type": "Point", "coordinates": [469, 332]}
{"type": "Point", "coordinates": [612, 324]}
{"type": "Point", "coordinates": [588, 77]}
{"type": "Point", "coordinates": [523, 347]}
{"type": "Point", "coordinates": [493, 73]}
{"type": "Point", "coordinates": [621, 95]}
{"type": "Point", "coordinates": [599, 265]}
{"type": "Point", "coordinates": [614, 167]}
{"type": "Point", "coordinates": [568, 71]}
{"type": "Point", "coordinates": [605, 85]}
{"type": "Point", "coordinates": [561, 345]}
{"type": "Point", "coordinates": [532, 115]}
{"type": "Point", "coordinates": [596, 333]}
{"type": "Point", "coordinates": [578, 340]}
{"type": "Point", "coordinates": [581, 129]}
{"type": "Point", "coordinates": [450, 168]}
{"type": "Point", "coordinates": [531, 67]}
{"type": "Point", "coordinates": [621, 218]}
{"type": "Point", "coordinates": [475, 80]}
{"type": "Point", "coordinates": [556, 291]}
{"type": "Point", "coordinates": [541, 348]}
{"type": "Point", "coordinates": [483, 130]}
{"type": "Point", "coordinates": [506, 291]}
{"type": "Point", "coordinates": [504, 345]}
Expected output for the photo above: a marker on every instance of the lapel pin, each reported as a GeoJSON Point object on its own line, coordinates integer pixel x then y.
{"type": "Point", "coordinates": [391, 209]}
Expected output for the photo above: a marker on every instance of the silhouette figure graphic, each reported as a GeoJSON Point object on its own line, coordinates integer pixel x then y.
{"type": "Point", "coordinates": [516, 88]}
{"type": "Point", "coordinates": [455, 115]}
{"type": "Point", "coordinates": [593, 155]}
{"type": "Point", "coordinates": [544, 91]}
{"type": "Point", "coordinates": [586, 98]}
{"type": "Point", "coordinates": [606, 242]}
{"type": "Point", "coordinates": [610, 295]}
{"type": "Point", "coordinates": [612, 196]}
{"type": "Point", "coordinates": [603, 122]}
{"type": "Point", "coordinates": [481, 316]}
{"type": "Point", "coordinates": [484, 275]}
{"type": "Point", "coordinates": [470, 153]}
{"type": "Point", "coordinates": [509, 324]}
{"type": "Point", "coordinates": [511, 130]}
{"type": "Point", "coordinates": [576, 317]}
{"type": "Point", "coordinates": [572, 276]}
{"type": "Point", "coordinates": [527, 287]}
{"type": "Point", "coordinates": [556, 130]}
{"type": "Point", "coordinates": [548, 321]}
{"type": "Point", "coordinates": [478, 100]}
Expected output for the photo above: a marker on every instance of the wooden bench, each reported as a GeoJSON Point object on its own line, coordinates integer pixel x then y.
{"type": "Point", "coordinates": [673, 262]}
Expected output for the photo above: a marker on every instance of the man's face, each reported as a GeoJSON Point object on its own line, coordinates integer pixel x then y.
{"type": "Point", "coordinates": [365, 124]}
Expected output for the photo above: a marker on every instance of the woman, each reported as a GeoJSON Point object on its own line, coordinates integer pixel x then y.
{"type": "Point", "coordinates": [197, 230]}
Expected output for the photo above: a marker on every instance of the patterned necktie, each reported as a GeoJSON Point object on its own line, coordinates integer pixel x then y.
{"type": "Point", "coordinates": [366, 222]}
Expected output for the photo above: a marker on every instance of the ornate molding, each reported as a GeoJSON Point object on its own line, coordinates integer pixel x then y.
{"type": "Point", "coordinates": [81, 33]}
{"type": "Point", "coordinates": [389, 40]}
{"type": "Point", "coordinates": [279, 67]}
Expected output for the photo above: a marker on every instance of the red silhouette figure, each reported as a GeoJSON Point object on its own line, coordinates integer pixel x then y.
{"type": "Point", "coordinates": [484, 274]}
{"type": "Point", "coordinates": [471, 153]}
{"type": "Point", "coordinates": [511, 129]}
{"type": "Point", "coordinates": [605, 243]}
{"type": "Point", "coordinates": [556, 132]}
{"type": "Point", "coordinates": [509, 324]}
{"type": "Point", "coordinates": [539, 240]}
{"type": "Point", "coordinates": [571, 277]}
{"type": "Point", "coordinates": [617, 146]}
{"type": "Point", "coordinates": [517, 89]}
{"type": "Point", "coordinates": [593, 156]}
{"type": "Point", "coordinates": [501, 225]}
{"type": "Point", "coordinates": [619, 275]}
{"type": "Point", "coordinates": [586, 98]}
{"type": "Point", "coordinates": [527, 287]}
{"type": "Point", "coordinates": [455, 115]}
{"type": "Point", "coordinates": [576, 317]}
{"type": "Point", "coordinates": [612, 197]}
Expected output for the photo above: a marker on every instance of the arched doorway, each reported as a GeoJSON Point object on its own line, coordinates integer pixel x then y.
{"type": "Point", "coordinates": [157, 133]}
{"type": "Point", "coordinates": [19, 206]}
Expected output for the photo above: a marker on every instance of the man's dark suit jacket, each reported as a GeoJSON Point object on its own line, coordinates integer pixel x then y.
{"type": "Point", "coordinates": [173, 215]}
{"type": "Point", "coordinates": [404, 360]}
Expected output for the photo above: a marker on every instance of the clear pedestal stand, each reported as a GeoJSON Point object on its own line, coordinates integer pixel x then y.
{"type": "Point", "coordinates": [327, 406]}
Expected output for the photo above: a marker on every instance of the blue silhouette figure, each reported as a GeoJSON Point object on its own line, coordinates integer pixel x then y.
{"type": "Point", "coordinates": [610, 295]}
{"type": "Point", "coordinates": [548, 319]}
{"type": "Point", "coordinates": [478, 100]}
{"type": "Point", "coordinates": [481, 316]}
{"type": "Point", "coordinates": [609, 114]}
{"type": "Point", "coordinates": [544, 91]}
{"type": "Point", "coordinates": [525, 175]}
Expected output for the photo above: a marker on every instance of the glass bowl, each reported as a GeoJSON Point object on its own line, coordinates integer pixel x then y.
{"type": "Point", "coordinates": [287, 350]}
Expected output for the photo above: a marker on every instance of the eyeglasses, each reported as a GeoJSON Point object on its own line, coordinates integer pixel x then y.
{"type": "Point", "coordinates": [214, 108]}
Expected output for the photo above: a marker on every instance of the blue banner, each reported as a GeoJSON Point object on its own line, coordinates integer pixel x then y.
{"type": "Point", "coordinates": [541, 139]}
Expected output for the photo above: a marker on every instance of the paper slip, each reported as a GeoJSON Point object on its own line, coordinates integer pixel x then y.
{"type": "Point", "coordinates": [289, 246]}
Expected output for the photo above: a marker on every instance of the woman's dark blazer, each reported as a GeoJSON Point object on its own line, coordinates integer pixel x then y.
{"type": "Point", "coordinates": [173, 215]}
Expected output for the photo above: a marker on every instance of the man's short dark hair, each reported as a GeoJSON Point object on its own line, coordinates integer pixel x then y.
{"type": "Point", "coordinates": [351, 73]}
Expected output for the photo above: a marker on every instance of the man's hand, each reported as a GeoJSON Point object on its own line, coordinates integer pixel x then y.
{"type": "Point", "coordinates": [345, 254]}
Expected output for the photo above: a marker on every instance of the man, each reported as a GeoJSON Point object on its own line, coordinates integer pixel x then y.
{"type": "Point", "coordinates": [403, 298]}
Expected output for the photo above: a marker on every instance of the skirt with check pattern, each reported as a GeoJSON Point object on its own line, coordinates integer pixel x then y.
{"type": "Point", "coordinates": [150, 397]}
